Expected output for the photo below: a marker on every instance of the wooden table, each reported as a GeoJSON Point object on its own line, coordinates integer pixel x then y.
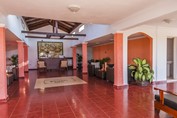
{"type": "Point", "coordinates": [170, 88]}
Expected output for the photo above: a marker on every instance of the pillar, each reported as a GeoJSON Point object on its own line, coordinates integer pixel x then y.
{"type": "Point", "coordinates": [84, 57]}
{"type": "Point", "coordinates": [21, 58]}
{"type": "Point", "coordinates": [118, 59]}
{"type": "Point", "coordinates": [74, 57]}
{"type": "Point", "coordinates": [3, 77]}
{"type": "Point", "coordinates": [26, 62]}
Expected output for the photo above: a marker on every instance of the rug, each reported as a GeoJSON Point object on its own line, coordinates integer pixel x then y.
{"type": "Point", "coordinates": [43, 83]}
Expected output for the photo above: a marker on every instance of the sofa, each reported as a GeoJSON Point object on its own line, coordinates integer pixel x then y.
{"type": "Point", "coordinates": [12, 74]}
{"type": "Point", "coordinates": [91, 70]}
{"type": "Point", "coordinates": [100, 74]}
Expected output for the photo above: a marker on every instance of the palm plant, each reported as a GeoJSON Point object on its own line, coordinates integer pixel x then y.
{"type": "Point", "coordinates": [141, 71]}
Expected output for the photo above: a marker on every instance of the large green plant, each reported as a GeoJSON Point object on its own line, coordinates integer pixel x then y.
{"type": "Point", "coordinates": [79, 58]}
{"type": "Point", "coordinates": [106, 59]}
{"type": "Point", "coordinates": [141, 71]}
{"type": "Point", "coordinates": [14, 60]}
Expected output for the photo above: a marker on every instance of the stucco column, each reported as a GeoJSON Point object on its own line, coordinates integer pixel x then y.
{"type": "Point", "coordinates": [84, 57]}
{"type": "Point", "coordinates": [118, 59]}
{"type": "Point", "coordinates": [3, 77]}
{"type": "Point", "coordinates": [21, 58]}
{"type": "Point", "coordinates": [26, 62]}
{"type": "Point", "coordinates": [74, 50]}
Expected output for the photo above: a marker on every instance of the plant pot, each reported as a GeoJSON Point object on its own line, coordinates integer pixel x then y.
{"type": "Point", "coordinates": [142, 83]}
{"type": "Point", "coordinates": [79, 66]}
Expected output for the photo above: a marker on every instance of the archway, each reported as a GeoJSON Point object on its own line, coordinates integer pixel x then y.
{"type": "Point", "coordinates": [139, 46]}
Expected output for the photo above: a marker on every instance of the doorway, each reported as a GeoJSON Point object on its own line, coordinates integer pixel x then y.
{"type": "Point", "coordinates": [170, 58]}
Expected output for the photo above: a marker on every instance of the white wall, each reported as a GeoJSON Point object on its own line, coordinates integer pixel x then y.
{"type": "Point", "coordinates": [16, 24]}
{"type": "Point", "coordinates": [32, 51]}
{"type": "Point", "coordinates": [92, 31]}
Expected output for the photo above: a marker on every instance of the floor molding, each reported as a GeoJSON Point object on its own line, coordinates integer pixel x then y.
{"type": "Point", "coordinates": [4, 100]}
{"type": "Point", "coordinates": [121, 87]}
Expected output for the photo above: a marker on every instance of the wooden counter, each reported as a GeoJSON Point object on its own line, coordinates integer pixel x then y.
{"type": "Point", "coordinates": [53, 63]}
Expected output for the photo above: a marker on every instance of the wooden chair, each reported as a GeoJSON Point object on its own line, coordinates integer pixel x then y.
{"type": "Point", "coordinates": [64, 64]}
{"type": "Point", "coordinates": [41, 65]}
{"type": "Point", "coordinates": [166, 102]}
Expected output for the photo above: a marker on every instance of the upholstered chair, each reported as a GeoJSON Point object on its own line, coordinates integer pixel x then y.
{"type": "Point", "coordinates": [64, 64]}
{"type": "Point", "coordinates": [41, 65]}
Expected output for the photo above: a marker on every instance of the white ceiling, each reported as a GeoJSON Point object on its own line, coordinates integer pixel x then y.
{"type": "Point", "coordinates": [172, 17]}
{"type": "Point", "coordinates": [100, 40]}
{"type": "Point", "coordinates": [92, 11]}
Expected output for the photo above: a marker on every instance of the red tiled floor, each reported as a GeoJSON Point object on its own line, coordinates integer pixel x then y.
{"type": "Point", "coordinates": [97, 99]}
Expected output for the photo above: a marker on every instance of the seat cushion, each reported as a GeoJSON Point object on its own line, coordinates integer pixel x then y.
{"type": "Point", "coordinates": [169, 100]}
{"type": "Point", "coordinates": [64, 64]}
{"type": "Point", "coordinates": [41, 64]}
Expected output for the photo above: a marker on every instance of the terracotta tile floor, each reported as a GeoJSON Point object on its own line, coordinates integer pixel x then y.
{"type": "Point", "coordinates": [97, 99]}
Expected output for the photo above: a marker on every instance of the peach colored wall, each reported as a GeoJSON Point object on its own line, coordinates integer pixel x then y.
{"type": "Point", "coordinates": [103, 51]}
{"type": "Point", "coordinates": [141, 48]}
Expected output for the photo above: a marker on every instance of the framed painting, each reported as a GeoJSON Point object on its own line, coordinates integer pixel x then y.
{"type": "Point", "coordinates": [49, 49]}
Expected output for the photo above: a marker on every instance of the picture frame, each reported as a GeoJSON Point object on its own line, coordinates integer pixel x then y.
{"type": "Point", "coordinates": [49, 49]}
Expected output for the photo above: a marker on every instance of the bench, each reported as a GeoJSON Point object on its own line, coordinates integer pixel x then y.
{"type": "Point", "coordinates": [166, 101]}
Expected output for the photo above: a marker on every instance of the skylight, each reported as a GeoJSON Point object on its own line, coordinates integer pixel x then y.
{"type": "Point", "coordinates": [81, 28]}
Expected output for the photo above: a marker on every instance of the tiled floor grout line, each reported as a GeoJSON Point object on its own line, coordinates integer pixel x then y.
{"type": "Point", "coordinates": [14, 108]}
{"type": "Point", "coordinates": [42, 107]}
{"type": "Point", "coordinates": [70, 107]}
{"type": "Point", "coordinates": [85, 108]}
{"type": "Point", "coordinates": [100, 108]}
{"type": "Point", "coordinates": [57, 108]}
{"type": "Point", "coordinates": [83, 105]}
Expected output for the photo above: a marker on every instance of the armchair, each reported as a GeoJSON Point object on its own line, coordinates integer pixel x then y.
{"type": "Point", "coordinates": [41, 66]}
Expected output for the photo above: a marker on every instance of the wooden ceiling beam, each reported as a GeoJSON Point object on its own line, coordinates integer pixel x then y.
{"type": "Point", "coordinates": [66, 23]}
{"type": "Point", "coordinates": [76, 25]}
{"type": "Point", "coordinates": [64, 26]}
{"type": "Point", "coordinates": [27, 18]}
{"type": "Point", "coordinates": [40, 37]}
{"type": "Point", "coordinates": [34, 21]}
{"type": "Point", "coordinates": [38, 23]}
{"type": "Point", "coordinates": [33, 27]}
{"type": "Point", "coordinates": [52, 34]}
{"type": "Point", "coordinates": [59, 27]}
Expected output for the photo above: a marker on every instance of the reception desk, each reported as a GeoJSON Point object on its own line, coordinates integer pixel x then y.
{"type": "Point", "coordinates": [53, 63]}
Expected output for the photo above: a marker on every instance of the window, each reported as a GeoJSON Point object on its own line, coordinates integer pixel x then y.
{"type": "Point", "coordinates": [81, 28]}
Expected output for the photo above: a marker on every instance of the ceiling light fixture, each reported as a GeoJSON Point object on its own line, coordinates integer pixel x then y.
{"type": "Point", "coordinates": [167, 20]}
{"type": "Point", "coordinates": [74, 8]}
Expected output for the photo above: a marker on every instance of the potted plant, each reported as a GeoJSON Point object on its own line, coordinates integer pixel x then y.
{"type": "Point", "coordinates": [79, 61]}
{"type": "Point", "coordinates": [141, 72]}
{"type": "Point", "coordinates": [104, 61]}
{"type": "Point", "coordinates": [14, 60]}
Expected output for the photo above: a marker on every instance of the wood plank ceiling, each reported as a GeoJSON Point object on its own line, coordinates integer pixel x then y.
{"type": "Point", "coordinates": [35, 23]}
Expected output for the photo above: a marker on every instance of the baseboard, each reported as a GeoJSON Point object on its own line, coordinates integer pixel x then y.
{"type": "Point", "coordinates": [159, 82]}
{"type": "Point", "coordinates": [4, 100]}
{"type": "Point", "coordinates": [33, 69]}
{"type": "Point", "coordinates": [121, 87]}
{"type": "Point", "coordinates": [84, 72]}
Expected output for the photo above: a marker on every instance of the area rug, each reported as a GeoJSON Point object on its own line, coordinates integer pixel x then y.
{"type": "Point", "coordinates": [43, 83]}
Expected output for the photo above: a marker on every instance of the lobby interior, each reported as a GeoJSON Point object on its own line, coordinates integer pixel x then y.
{"type": "Point", "coordinates": [98, 40]}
